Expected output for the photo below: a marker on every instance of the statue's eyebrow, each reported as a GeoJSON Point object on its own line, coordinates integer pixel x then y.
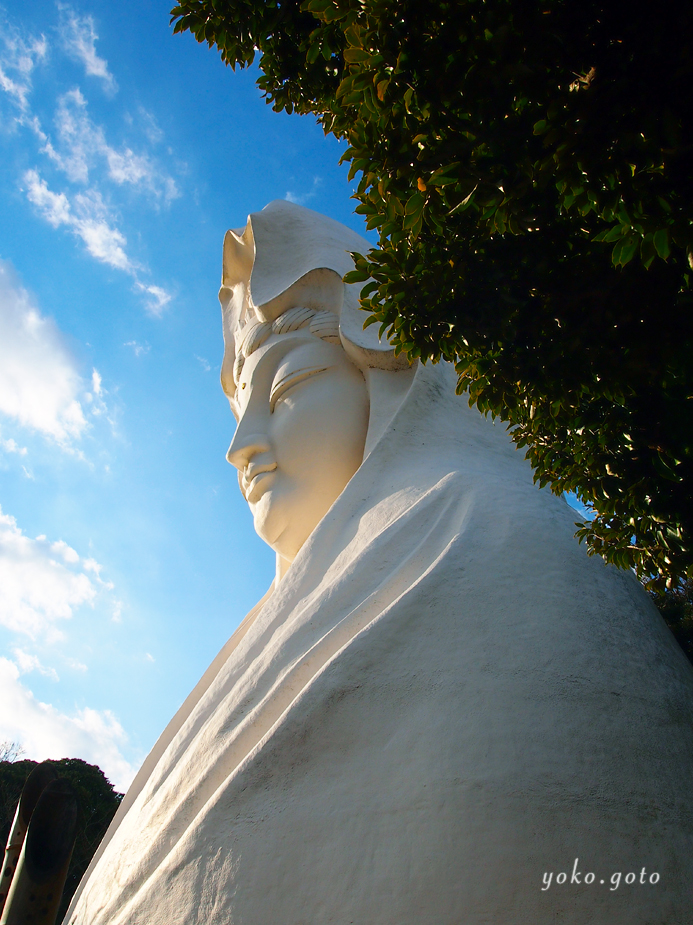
{"type": "Point", "coordinates": [286, 348]}
{"type": "Point", "coordinates": [261, 362]}
{"type": "Point", "coordinates": [292, 378]}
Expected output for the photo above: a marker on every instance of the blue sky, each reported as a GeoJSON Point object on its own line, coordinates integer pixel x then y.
{"type": "Point", "coordinates": [127, 555]}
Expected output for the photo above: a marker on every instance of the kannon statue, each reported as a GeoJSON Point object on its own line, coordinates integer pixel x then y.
{"type": "Point", "coordinates": [443, 712]}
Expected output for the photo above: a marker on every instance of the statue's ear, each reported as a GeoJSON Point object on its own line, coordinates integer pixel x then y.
{"type": "Point", "coordinates": [364, 346]}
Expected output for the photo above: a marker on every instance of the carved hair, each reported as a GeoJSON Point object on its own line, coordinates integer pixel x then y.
{"type": "Point", "coordinates": [250, 338]}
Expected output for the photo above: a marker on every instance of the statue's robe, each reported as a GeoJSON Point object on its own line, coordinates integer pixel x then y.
{"type": "Point", "coordinates": [443, 701]}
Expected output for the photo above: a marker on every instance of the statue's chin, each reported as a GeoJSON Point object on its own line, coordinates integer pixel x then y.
{"type": "Point", "coordinates": [284, 517]}
{"type": "Point", "coordinates": [276, 527]}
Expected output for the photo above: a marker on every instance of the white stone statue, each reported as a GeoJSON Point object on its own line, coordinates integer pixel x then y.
{"type": "Point", "coordinates": [442, 712]}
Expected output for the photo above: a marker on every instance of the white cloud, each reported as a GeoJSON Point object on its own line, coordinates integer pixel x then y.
{"type": "Point", "coordinates": [44, 732]}
{"type": "Point", "coordinates": [11, 446]}
{"type": "Point", "coordinates": [96, 382]}
{"type": "Point", "coordinates": [18, 58]}
{"type": "Point", "coordinates": [75, 665]}
{"type": "Point", "coordinates": [79, 40]}
{"type": "Point", "coordinates": [87, 217]}
{"type": "Point", "coordinates": [82, 145]}
{"type": "Point", "coordinates": [27, 662]}
{"type": "Point", "coordinates": [88, 220]}
{"type": "Point", "coordinates": [150, 125]}
{"type": "Point", "coordinates": [60, 548]}
{"type": "Point", "coordinates": [203, 363]}
{"type": "Point", "coordinates": [300, 199]}
{"type": "Point", "coordinates": [157, 299]}
{"type": "Point", "coordinates": [39, 383]}
{"type": "Point", "coordinates": [80, 150]}
{"type": "Point", "coordinates": [138, 349]}
{"type": "Point", "coordinates": [42, 583]}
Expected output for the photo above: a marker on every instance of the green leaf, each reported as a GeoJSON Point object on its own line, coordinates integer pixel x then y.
{"type": "Point", "coordinates": [368, 289]}
{"type": "Point", "coordinates": [312, 53]}
{"type": "Point", "coordinates": [355, 276]}
{"type": "Point", "coordinates": [382, 88]}
{"type": "Point", "coordinates": [663, 468]}
{"type": "Point", "coordinates": [352, 36]}
{"type": "Point", "coordinates": [446, 173]}
{"type": "Point", "coordinates": [625, 250]}
{"type": "Point", "coordinates": [356, 55]}
{"type": "Point", "coordinates": [414, 204]}
{"type": "Point", "coordinates": [647, 251]}
{"type": "Point", "coordinates": [614, 234]}
{"type": "Point", "coordinates": [442, 181]}
{"type": "Point", "coordinates": [660, 240]}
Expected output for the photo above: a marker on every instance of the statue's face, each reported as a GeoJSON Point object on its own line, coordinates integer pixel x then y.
{"type": "Point", "coordinates": [302, 411]}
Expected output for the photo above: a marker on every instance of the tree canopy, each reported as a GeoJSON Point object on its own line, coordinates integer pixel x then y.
{"type": "Point", "coordinates": [98, 802]}
{"type": "Point", "coordinates": [676, 606]}
{"type": "Point", "coordinates": [529, 168]}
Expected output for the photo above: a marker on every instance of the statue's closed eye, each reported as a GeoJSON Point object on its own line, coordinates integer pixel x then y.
{"type": "Point", "coordinates": [283, 384]}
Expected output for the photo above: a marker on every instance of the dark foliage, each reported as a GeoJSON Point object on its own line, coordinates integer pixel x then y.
{"type": "Point", "coordinates": [97, 805]}
{"type": "Point", "coordinates": [529, 166]}
{"type": "Point", "coordinates": [676, 606]}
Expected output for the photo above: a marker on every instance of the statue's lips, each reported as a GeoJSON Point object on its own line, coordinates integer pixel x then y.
{"type": "Point", "coordinates": [256, 480]}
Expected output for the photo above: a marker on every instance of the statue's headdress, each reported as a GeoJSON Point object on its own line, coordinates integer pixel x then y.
{"type": "Point", "coordinates": [283, 272]}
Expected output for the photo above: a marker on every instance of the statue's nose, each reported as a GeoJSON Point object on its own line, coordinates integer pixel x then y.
{"type": "Point", "coordinates": [244, 447]}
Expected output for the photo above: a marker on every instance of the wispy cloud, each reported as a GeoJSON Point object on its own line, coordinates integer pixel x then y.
{"type": "Point", "coordinates": [86, 216]}
{"type": "Point", "coordinates": [157, 298]}
{"type": "Point", "coordinates": [81, 145]}
{"type": "Point", "coordinates": [149, 125]}
{"type": "Point", "coordinates": [11, 446]}
{"type": "Point", "coordinates": [96, 383]}
{"type": "Point", "coordinates": [42, 583]}
{"type": "Point", "coordinates": [79, 38]}
{"type": "Point", "coordinates": [301, 199]}
{"type": "Point", "coordinates": [138, 349]}
{"type": "Point", "coordinates": [26, 662]}
{"type": "Point", "coordinates": [45, 732]}
{"type": "Point", "coordinates": [75, 664]}
{"type": "Point", "coordinates": [40, 386]}
{"type": "Point", "coordinates": [18, 58]}
{"type": "Point", "coordinates": [80, 150]}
